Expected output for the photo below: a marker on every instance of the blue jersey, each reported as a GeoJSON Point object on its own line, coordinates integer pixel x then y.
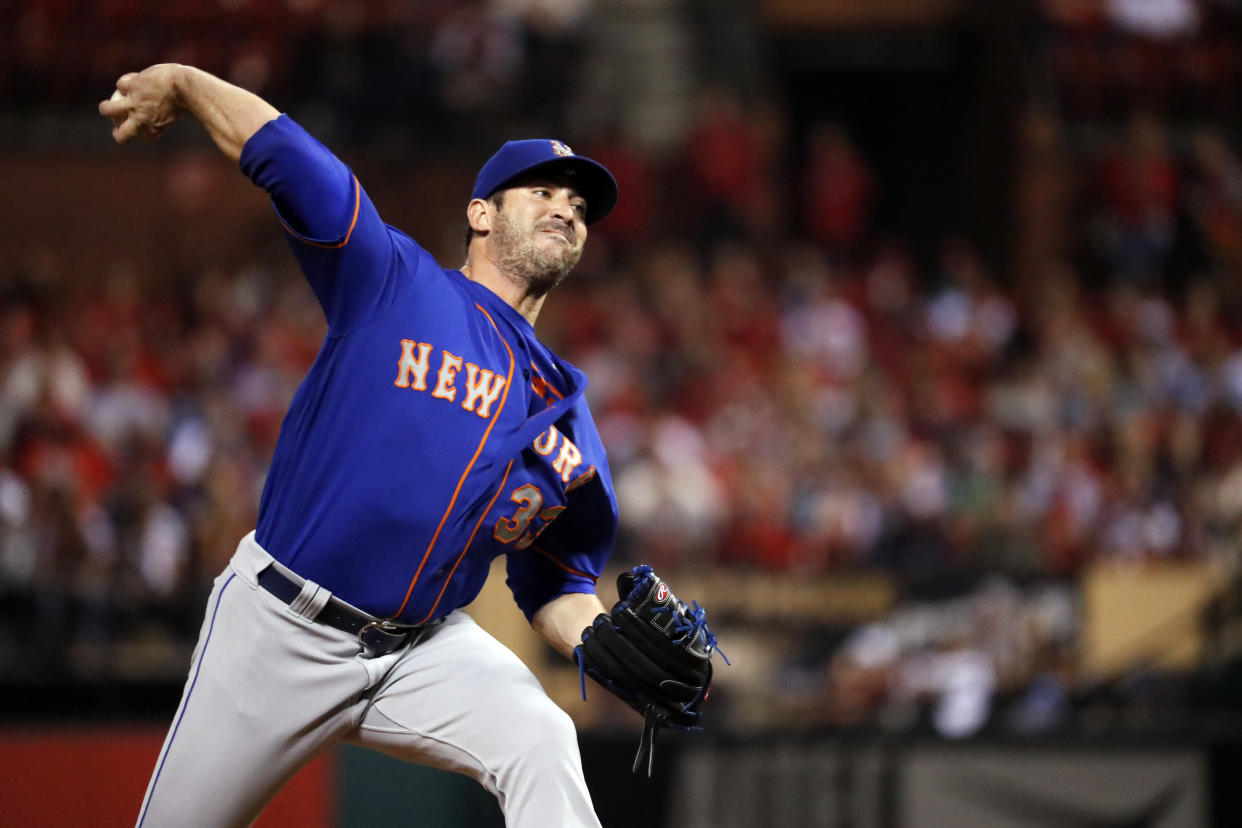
{"type": "Point", "coordinates": [433, 432]}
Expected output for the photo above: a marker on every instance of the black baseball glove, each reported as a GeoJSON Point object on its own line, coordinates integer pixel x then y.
{"type": "Point", "coordinates": [654, 653]}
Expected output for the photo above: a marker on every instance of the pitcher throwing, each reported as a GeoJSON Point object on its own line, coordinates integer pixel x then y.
{"type": "Point", "coordinates": [432, 433]}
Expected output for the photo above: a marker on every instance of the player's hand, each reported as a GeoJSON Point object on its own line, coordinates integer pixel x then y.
{"type": "Point", "coordinates": [145, 103]}
{"type": "Point", "coordinates": [654, 653]}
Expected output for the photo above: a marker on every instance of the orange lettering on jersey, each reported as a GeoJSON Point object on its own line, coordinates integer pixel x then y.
{"type": "Point", "coordinates": [529, 500]}
{"type": "Point", "coordinates": [411, 364]}
{"type": "Point", "coordinates": [585, 477]}
{"type": "Point", "coordinates": [481, 385]}
{"type": "Point", "coordinates": [449, 366]}
{"type": "Point", "coordinates": [568, 460]}
{"type": "Point", "coordinates": [540, 387]}
{"type": "Point", "coordinates": [547, 516]}
{"type": "Point", "coordinates": [545, 442]}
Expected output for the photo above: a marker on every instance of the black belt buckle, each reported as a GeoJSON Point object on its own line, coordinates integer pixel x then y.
{"type": "Point", "coordinates": [382, 637]}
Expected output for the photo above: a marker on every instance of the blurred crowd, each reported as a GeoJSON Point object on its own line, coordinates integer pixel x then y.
{"type": "Point", "coordinates": [783, 386]}
{"type": "Point", "coordinates": [827, 401]}
{"type": "Point", "coordinates": [369, 69]}
{"type": "Point", "coordinates": [137, 422]}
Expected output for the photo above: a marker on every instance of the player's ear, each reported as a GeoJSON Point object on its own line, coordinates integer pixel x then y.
{"type": "Point", "coordinates": [479, 215]}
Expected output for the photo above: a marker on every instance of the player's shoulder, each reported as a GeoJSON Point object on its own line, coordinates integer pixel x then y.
{"type": "Point", "coordinates": [411, 253]}
{"type": "Point", "coordinates": [423, 267]}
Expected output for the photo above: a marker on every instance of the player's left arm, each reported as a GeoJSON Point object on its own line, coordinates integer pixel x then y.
{"type": "Point", "coordinates": [562, 620]}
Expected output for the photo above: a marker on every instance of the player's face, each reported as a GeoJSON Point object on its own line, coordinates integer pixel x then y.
{"type": "Point", "coordinates": [539, 233]}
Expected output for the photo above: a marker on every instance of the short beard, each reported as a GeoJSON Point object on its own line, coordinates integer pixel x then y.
{"type": "Point", "coordinates": [536, 268]}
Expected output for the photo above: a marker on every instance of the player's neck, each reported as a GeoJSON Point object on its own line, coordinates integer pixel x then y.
{"type": "Point", "coordinates": [515, 293]}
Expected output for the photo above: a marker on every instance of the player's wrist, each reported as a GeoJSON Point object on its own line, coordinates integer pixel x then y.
{"type": "Point", "coordinates": [179, 82]}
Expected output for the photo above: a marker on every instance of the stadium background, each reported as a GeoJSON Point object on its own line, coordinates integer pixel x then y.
{"type": "Point", "coordinates": [912, 341]}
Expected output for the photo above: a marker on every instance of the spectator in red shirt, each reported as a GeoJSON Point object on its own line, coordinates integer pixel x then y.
{"type": "Point", "coordinates": [838, 192]}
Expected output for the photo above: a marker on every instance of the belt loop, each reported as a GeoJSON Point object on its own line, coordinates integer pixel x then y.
{"type": "Point", "coordinates": [309, 601]}
{"type": "Point", "coordinates": [317, 603]}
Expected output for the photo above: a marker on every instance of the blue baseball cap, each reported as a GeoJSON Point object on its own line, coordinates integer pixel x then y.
{"type": "Point", "coordinates": [516, 158]}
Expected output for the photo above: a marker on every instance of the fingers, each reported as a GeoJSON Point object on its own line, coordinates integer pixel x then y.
{"type": "Point", "coordinates": [141, 105]}
{"type": "Point", "coordinates": [126, 130]}
{"type": "Point", "coordinates": [125, 123]}
{"type": "Point", "coordinates": [114, 107]}
{"type": "Point", "coordinates": [118, 109]}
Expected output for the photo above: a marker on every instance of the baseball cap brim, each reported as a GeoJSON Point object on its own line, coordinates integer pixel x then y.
{"type": "Point", "coordinates": [520, 159]}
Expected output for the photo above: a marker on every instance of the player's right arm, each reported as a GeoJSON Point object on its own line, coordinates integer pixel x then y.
{"type": "Point", "coordinates": [339, 239]}
{"type": "Point", "coordinates": [151, 100]}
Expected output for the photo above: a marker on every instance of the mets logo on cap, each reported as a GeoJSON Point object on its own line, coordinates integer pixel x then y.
{"type": "Point", "coordinates": [562, 150]}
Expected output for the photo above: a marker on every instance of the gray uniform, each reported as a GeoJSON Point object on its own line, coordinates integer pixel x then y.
{"type": "Point", "coordinates": [454, 698]}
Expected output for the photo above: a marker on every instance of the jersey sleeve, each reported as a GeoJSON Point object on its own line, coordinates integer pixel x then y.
{"type": "Point", "coordinates": [345, 250]}
{"type": "Point", "coordinates": [570, 555]}
{"type": "Point", "coordinates": [536, 576]}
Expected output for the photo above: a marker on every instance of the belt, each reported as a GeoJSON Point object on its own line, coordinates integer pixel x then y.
{"type": "Point", "coordinates": [377, 637]}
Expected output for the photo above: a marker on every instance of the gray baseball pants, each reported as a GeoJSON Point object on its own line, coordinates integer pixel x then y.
{"type": "Point", "coordinates": [269, 689]}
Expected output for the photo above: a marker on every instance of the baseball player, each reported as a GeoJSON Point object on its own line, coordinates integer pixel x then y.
{"type": "Point", "coordinates": [433, 432]}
